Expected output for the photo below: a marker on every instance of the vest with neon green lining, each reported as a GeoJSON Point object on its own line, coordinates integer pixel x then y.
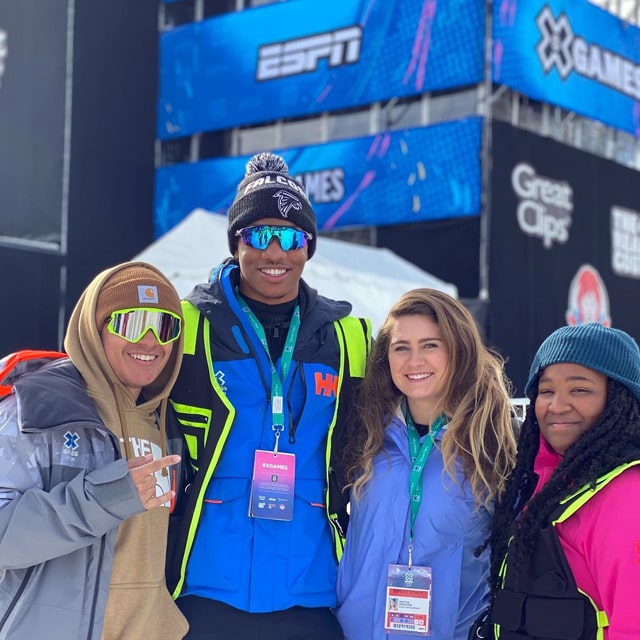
{"type": "Point", "coordinates": [547, 604]}
{"type": "Point", "coordinates": [222, 402]}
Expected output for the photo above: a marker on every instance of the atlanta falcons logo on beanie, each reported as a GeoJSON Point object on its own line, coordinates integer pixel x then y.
{"type": "Point", "coordinates": [286, 202]}
{"type": "Point", "coordinates": [268, 191]}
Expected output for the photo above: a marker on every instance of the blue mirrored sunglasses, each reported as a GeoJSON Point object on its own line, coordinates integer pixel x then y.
{"type": "Point", "coordinates": [133, 324]}
{"type": "Point", "coordinates": [261, 235]}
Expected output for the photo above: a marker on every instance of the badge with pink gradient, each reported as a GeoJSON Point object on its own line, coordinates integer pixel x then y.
{"type": "Point", "coordinates": [272, 485]}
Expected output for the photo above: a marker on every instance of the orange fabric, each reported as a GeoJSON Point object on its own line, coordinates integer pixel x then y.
{"type": "Point", "coordinates": [9, 363]}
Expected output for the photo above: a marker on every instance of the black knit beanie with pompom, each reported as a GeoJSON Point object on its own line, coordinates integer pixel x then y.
{"type": "Point", "coordinates": [268, 191]}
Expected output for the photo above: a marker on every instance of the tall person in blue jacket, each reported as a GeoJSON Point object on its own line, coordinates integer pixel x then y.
{"type": "Point", "coordinates": [433, 453]}
{"type": "Point", "coordinates": [268, 376]}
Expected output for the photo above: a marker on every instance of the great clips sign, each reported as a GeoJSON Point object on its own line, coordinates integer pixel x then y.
{"type": "Point", "coordinates": [564, 245]}
{"type": "Point", "coordinates": [572, 54]}
{"type": "Point", "coordinates": [545, 205]}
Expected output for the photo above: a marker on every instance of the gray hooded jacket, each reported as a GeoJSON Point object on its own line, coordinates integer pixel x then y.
{"type": "Point", "coordinates": [68, 477]}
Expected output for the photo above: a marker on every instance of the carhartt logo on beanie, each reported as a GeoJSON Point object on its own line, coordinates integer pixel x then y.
{"type": "Point", "coordinates": [611, 352]}
{"type": "Point", "coordinates": [268, 191]}
{"type": "Point", "coordinates": [136, 287]}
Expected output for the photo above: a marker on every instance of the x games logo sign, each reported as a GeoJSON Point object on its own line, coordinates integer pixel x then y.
{"type": "Point", "coordinates": [559, 47]}
{"type": "Point", "coordinates": [554, 49]}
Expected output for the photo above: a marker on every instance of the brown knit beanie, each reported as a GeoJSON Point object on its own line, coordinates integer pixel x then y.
{"type": "Point", "coordinates": [136, 287]}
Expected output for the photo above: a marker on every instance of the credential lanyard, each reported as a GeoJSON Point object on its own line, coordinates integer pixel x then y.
{"type": "Point", "coordinates": [277, 404]}
{"type": "Point", "coordinates": [419, 454]}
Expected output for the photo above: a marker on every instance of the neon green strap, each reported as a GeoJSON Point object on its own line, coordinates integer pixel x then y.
{"type": "Point", "coordinates": [191, 323]}
{"type": "Point", "coordinates": [357, 338]}
{"type": "Point", "coordinates": [583, 495]}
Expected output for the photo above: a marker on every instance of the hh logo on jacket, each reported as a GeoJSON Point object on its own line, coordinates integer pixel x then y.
{"type": "Point", "coordinates": [326, 384]}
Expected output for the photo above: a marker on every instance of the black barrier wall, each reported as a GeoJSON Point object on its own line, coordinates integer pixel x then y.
{"type": "Point", "coordinates": [32, 101]}
{"type": "Point", "coordinates": [78, 84]}
{"type": "Point", "coordinates": [449, 249]}
{"type": "Point", "coordinates": [30, 300]}
{"type": "Point", "coordinates": [564, 244]}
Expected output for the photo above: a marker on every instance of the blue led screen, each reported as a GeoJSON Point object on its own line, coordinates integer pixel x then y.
{"type": "Point", "coordinates": [572, 54]}
{"type": "Point", "coordinates": [419, 174]}
{"type": "Point", "coordinates": [297, 58]}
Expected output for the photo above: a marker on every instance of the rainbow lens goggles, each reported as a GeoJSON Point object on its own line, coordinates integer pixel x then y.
{"type": "Point", "coordinates": [261, 235]}
{"type": "Point", "coordinates": [133, 324]}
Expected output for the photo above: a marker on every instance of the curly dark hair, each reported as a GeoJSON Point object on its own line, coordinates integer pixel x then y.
{"type": "Point", "coordinates": [612, 441]}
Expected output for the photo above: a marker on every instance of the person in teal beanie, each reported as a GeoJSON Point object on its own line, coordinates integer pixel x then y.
{"type": "Point", "coordinates": [565, 536]}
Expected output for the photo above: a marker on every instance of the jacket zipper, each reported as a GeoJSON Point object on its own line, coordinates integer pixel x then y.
{"type": "Point", "coordinates": [103, 543]}
{"type": "Point", "coordinates": [92, 618]}
{"type": "Point", "coordinates": [293, 424]}
{"type": "Point", "coordinates": [15, 599]}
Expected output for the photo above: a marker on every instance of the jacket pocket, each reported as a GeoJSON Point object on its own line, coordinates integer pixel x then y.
{"type": "Point", "coordinates": [222, 549]}
{"type": "Point", "coordinates": [314, 570]}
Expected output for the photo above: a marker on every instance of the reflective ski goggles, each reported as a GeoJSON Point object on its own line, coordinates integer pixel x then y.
{"type": "Point", "coordinates": [133, 324]}
{"type": "Point", "coordinates": [261, 235]}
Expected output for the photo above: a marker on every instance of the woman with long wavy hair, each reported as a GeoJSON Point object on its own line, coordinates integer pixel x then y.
{"type": "Point", "coordinates": [434, 444]}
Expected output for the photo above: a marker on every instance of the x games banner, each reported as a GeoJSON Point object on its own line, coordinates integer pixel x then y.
{"type": "Point", "coordinates": [564, 243]}
{"type": "Point", "coordinates": [414, 175]}
{"type": "Point", "coordinates": [572, 54]}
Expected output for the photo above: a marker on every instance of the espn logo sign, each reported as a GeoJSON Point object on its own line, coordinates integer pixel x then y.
{"type": "Point", "coordinates": [292, 57]}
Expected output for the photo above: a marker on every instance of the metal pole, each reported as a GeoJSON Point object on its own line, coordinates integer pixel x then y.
{"type": "Point", "coordinates": [66, 171]}
{"type": "Point", "coordinates": [485, 161]}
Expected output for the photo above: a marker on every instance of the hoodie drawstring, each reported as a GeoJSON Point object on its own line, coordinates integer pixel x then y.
{"type": "Point", "coordinates": [128, 451]}
{"type": "Point", "coordinates": [163, 433]}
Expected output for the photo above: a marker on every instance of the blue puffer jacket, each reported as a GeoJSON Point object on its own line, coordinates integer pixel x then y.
{"type": "Point", "coordinates": [447, 531]}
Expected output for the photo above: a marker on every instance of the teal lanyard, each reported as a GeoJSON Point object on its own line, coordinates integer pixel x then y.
{"type": "Point", "coordinates": [277, 403]}
{"type": "Point", "coordinates": [419, 454]}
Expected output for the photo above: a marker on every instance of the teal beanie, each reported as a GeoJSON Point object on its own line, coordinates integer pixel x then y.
{"type": "Point", "coordinates": [611, 352]}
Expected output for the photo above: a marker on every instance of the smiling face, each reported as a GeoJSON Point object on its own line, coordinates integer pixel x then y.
{"type": "Point", "coordinates": [570, 400]}
{"type": "Point", "coordinates": [418, 362]}
{"type": "Point", "coordinates": [271, 276]}
{"type": "Point", "coordinates": [137, 364]}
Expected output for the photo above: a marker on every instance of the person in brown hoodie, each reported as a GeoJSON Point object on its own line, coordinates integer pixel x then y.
{"type": "Point", "coordinates": [86, 482]}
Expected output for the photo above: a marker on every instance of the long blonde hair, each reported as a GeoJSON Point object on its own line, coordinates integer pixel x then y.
{"type": "Point", "coordinates": [480, 433]}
